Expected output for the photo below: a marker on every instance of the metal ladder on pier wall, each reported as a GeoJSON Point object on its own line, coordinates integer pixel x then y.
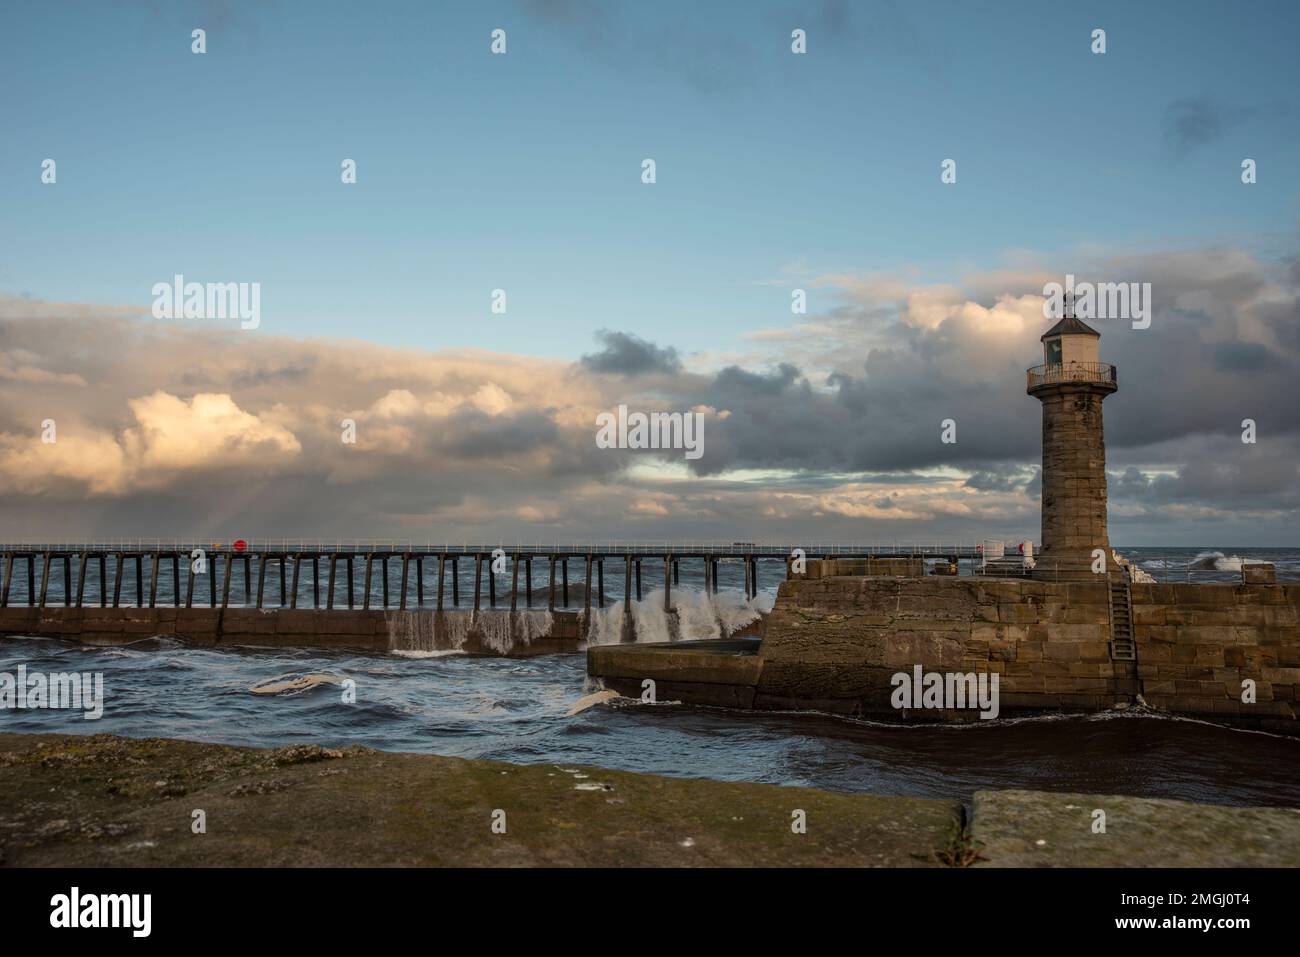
{"type": "Point", "coordinates": [1122, 647]}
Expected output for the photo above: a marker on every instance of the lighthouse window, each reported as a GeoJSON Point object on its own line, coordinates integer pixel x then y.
{"type": "Point", "coordinates": [1054, 352]}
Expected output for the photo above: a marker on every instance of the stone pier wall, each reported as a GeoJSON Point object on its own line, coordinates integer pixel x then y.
{"type": "Point", "coordinates": [374, 630]}
{"type": "Point", "coordinates": [833, 644]}
{"type": "Point", "coordinates": [1197, 643]}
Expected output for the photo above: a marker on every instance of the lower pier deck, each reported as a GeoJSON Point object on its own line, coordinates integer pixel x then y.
{"type": "Point", "coordinates": [520, 634]}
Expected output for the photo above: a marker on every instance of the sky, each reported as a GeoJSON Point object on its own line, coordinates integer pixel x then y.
{"type": "Point", "coordinates": [522, 172]}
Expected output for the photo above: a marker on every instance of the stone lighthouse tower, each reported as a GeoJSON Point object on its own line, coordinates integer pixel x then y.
{"type": "Point", "coordinates": [1071, 384]}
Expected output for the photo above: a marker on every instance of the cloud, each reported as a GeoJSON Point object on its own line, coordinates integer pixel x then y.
{"type": "Point", "coordinates": [170, 435]}
{"type": "Point", "coordinates": [626, 354]}
{"type": "Point", "coordinates": [831, 430]}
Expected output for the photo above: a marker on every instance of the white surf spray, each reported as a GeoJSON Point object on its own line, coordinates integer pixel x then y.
{"type": "Point", "coordinates": [502, 631]}
{"type": "Point", "coordinates": [426, 633]}
{"type": "Point", "coordinates": [700, 615]}
{"type": "Point", "coordinates": [1218, 561]}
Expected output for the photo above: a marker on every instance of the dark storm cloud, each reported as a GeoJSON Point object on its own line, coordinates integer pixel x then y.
{"type": "Point", "coordinates": [475, 435]}
{"type": "Point", "coordinates": [999, 479]}
{"type": "Point", "coordinates": [1201, 367]}
{"type": "Point", "coordinates": [1221, 471]}
{"type": "Point", "coordinates": [1245, 357]}
{"type": "Point", "coordinates": [626, 354]}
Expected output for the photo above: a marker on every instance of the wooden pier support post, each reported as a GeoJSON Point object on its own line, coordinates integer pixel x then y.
{"type": "Point", "coordinates": [370, 562]}
{"type": "Point", "coordinates": [153, 580]}
{"type": "Point", "coordinates": [329, 587]}
{"type": "Point", "coordinates": [600, 576]}
{"type": "Point", "coordinates": [230, 573]}
{"type": "Point", "coordinates": [45, 579]}
{"type": "Point", "coordinates": [406, 565]}
{"type": "Point", "coordinates": [564, 582]}
{"type": "Point", "coordinates": [297, 570]}
{"type": "Point", "coordinates": [383, 568]}
{"type": "Point", "coordinates": [67, 579]}
{"type": "Point", "coordinates": [283, 584]}
{"type": "Point", "coordinates": [492, 583]}
{"type": "Point", "coordinates": [638, 579]}
{"type": "Point", "coordinates": [315, 581]}
{"type": "Point", "coordinates": [668, 583]}
{"type": "Point", "coordinates": [419, 581]}
{"type": "Point", "coordinates": [117, 580]}
{"type": "Point", "coordinates": [31, 579]}
{"type": "Point", "coordinates": [81, 578]}
{"type": "Point", "coordinates": [9, 580]}
{"type": "Point", "coordinates": [677, 572]}
{"type": "Point", "coordinates": [442, 559]}
{"type": "Point", "coordinates": [478, 582]}
{"type": "Point", "coordinates": [351, 587]}
{"type": "Point", "coordinates": [528, 583]}
{"type": "Point", "coordinates": [189, 585]}
{"type": "Point", "coordinates": [586, 593]}
{"type": "Point", "coordinates": [455, 581]}
{"type": "Point", "coordinates": [628, 628]}
{"type": "Point", "coordinates": [550, 601]}
{"type": "Point", "coordinates": [514, 584]}
{"type": "Point", "coordinates": [261, 578]}
{"type": "Point", "coordinates": [176, 579]}
{"type": "Point", "coordinates": [139, 581]}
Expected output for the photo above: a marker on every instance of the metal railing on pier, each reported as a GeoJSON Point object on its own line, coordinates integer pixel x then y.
{"type": "Point", "coordinates": [609, 548]}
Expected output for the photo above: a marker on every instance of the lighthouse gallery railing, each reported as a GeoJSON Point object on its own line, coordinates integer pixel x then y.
{"type": "Point", "coordinates": [1072, 372]}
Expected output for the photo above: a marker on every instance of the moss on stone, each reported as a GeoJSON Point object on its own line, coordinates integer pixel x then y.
{"type": "Point", "coordinates": [110, 801]}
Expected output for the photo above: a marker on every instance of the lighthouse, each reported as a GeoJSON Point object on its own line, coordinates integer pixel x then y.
{"type": "Point", "coordinates": [1071, 384]}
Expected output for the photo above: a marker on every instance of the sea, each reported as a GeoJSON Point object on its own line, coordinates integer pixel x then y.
{"type": "Point", "coordinates": [520, 710]}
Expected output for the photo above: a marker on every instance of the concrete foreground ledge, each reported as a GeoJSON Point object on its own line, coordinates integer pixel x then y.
{"type": "Point", "coordinates": [108, 801]}
{"type": "Point", "coordinates": [1040, 829]}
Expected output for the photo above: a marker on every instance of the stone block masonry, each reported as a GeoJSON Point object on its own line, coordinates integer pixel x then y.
{"type": "Point", "coordinates": [1198, 644]}
{"type": "Point", "coordinates": [834, 644]}
{"type": "Point", "coordinates": [1074, 478]}
{"type": "Point", "coordinates": [838, 642]}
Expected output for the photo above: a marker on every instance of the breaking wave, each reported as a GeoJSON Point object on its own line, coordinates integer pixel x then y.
{"type": "Point", "coordinates": [699, 615]}
{"type": "Point", "coordinates": [429, 634]}
{"type": "Point", "coordinates": [1204, 561]}
{"type": "Point", "coordinates": [1218, 561]}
